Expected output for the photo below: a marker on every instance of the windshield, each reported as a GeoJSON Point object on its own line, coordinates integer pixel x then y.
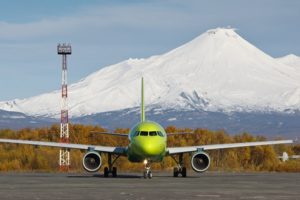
{"type": "Point", "coordinates": [148, 133]}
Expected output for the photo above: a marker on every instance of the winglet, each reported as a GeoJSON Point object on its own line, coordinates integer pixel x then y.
{"type": "Point", "coordinates": [142, 102]}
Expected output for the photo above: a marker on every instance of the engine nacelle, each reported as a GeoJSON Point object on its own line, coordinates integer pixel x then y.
{"type": "Point", "coordinates": [200, 161]}
{"type": "Point", "coordinates": [92, 161]}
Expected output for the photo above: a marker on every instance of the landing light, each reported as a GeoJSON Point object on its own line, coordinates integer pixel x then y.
{"type": "Point", "coordinates": [145, 162]}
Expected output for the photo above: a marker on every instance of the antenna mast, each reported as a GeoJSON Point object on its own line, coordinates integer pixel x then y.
{"type": "Point", "coordinates": [64, 153]}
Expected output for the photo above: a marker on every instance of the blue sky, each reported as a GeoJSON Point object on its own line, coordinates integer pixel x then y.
{"type": "Point", "coordinates": [107, 32]}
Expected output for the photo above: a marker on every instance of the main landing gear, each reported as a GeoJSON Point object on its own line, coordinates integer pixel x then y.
{"type": "Point", "coordinates": [147, 173]}
{"type": "Point", "coordinates": [110, 169]}
{"type": "Point", "coordinates": [179, 169]}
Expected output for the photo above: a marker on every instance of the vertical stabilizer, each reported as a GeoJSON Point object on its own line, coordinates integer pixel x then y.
{"type": "Point", "coordinates": [142, 102]}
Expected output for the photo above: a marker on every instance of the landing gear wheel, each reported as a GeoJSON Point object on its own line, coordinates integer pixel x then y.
{"type": "Point", "coordinates": [183, 172]}
{"type": "Point", "coordinates": [149, 174]}
{"type": "Point", "coordinates": [106, 172]}
{"type": "Point", "coordinates": [179, 169]}
{"type": "Point", "coordinates": [114, 172]}
{"type": "Point", "coordinates": [175, 172]}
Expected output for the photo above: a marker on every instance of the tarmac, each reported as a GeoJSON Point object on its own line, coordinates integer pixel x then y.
{"type": "Point", "coordinates": [210, 185]}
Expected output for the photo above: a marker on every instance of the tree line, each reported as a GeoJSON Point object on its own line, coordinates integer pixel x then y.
{"type": "Point", "coordinates": [14, 157]}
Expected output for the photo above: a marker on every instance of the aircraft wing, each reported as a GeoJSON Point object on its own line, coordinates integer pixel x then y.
{"type": "Point", "coordinates": [108, 133]}
{"type": "Point", "coordinates": [105, 149]}
{"type": "Point", "coordinates": [180, 133]}
{"type": "Point", "coordinates": [295, 156]}
{"type": "Point", "coordinates": [178, 150]}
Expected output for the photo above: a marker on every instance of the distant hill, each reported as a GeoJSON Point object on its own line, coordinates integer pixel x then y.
{"type": "Point", "coordinates": [270, 124]}
{"type": "Point", "coordinates": [17, 120]}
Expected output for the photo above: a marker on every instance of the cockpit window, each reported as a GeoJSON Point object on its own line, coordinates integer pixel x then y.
{"type": "Point", "coordinates": [152, 133]}
{"type": "Point", "coordinates": [160, 134]}
{"type": "Point", "coordinates": [144, 133]}
{"type": "Point", "coordinates": [136, 133]}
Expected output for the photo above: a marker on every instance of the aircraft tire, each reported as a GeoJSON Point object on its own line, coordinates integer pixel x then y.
{"type": "Point", "coordinates": [106, 172]}
{"type": "Point", "coordinates": [114, 172]}
{"type": "Point", "coordinates": [175, 172]}
{"type": "Point", "coordinates": [183, 171]}
{"type": "Point", "coordinates": [149, 174]}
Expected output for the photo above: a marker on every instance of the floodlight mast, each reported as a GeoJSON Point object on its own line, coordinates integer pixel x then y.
{"type": "Point", "coordinates": [64, 153]}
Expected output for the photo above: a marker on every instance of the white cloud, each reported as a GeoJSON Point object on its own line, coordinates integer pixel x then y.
{"type": "Point", "coordinates": [97, 20]}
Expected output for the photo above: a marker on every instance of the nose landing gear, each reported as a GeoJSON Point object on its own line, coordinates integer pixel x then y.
{"type": "Point", "coordinates": [147, 173]}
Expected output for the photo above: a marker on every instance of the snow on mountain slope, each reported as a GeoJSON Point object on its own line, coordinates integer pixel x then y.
{"type": "Point", "coordinates": [217, 71]}
{"type": "Point", "coordinates": [291, 60]}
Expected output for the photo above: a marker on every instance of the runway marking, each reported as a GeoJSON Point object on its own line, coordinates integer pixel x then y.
{"type": "Point", "coordinates": [209, 195]}
{"type": "Point", "coordinates": [124, 193]}
{"type": "Point", "coordinates": [254, 197]}
{"type": "Point", "coordinates": [286, 197]}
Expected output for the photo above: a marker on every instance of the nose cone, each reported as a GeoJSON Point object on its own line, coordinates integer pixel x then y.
{"type": "Point", "coordinates": [151, 147]}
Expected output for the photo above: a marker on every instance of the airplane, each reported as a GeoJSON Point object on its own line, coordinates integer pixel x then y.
{"type": "Point", "coordinates": [147, 144]}
{"type": "Point", "coordinates": [285, 157]}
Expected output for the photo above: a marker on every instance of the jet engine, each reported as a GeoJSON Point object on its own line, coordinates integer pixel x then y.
{"type": "Point", "coordinates": [92, 161]}
{"type": "Point", "coordinates": [200, 161]}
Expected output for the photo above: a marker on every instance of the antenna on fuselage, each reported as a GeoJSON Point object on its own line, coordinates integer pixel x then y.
{"type": "Point", "coordinates": [142, 102]}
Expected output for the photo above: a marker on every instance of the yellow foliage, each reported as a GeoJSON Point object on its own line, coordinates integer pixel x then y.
{"type": "Point", "coordinates": [27, 158]}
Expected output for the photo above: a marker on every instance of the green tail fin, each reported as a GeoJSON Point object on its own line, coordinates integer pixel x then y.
{"type": "Point", "coordinates": [142, 102]}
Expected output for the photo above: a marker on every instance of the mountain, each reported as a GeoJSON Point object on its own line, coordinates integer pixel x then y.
{"type": "Point", "coordinates": [218, 81]}
{"type": "Point", "coordinates": [270, 124]}
{"type": "Point", "coordinates": [16, 120]}
{"type": "Point", "coordinates": [291, 60]}
{"type": "Point", "coordinates": [217, 71]}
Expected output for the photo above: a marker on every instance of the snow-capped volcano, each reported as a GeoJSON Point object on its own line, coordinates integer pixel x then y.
{"type": "Point", "coordinates": [217, 71]}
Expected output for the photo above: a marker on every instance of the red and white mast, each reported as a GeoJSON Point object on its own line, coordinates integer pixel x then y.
{"type": "Point", "coordinates": [64, 154]}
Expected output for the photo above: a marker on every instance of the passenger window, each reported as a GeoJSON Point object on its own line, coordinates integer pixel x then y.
{"type": "Point", "coordinates": [160, 134]}
{"type": "Point", "coordinates": [144, 133]}
{"type": "Point", "coordinates": [152, 133]}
